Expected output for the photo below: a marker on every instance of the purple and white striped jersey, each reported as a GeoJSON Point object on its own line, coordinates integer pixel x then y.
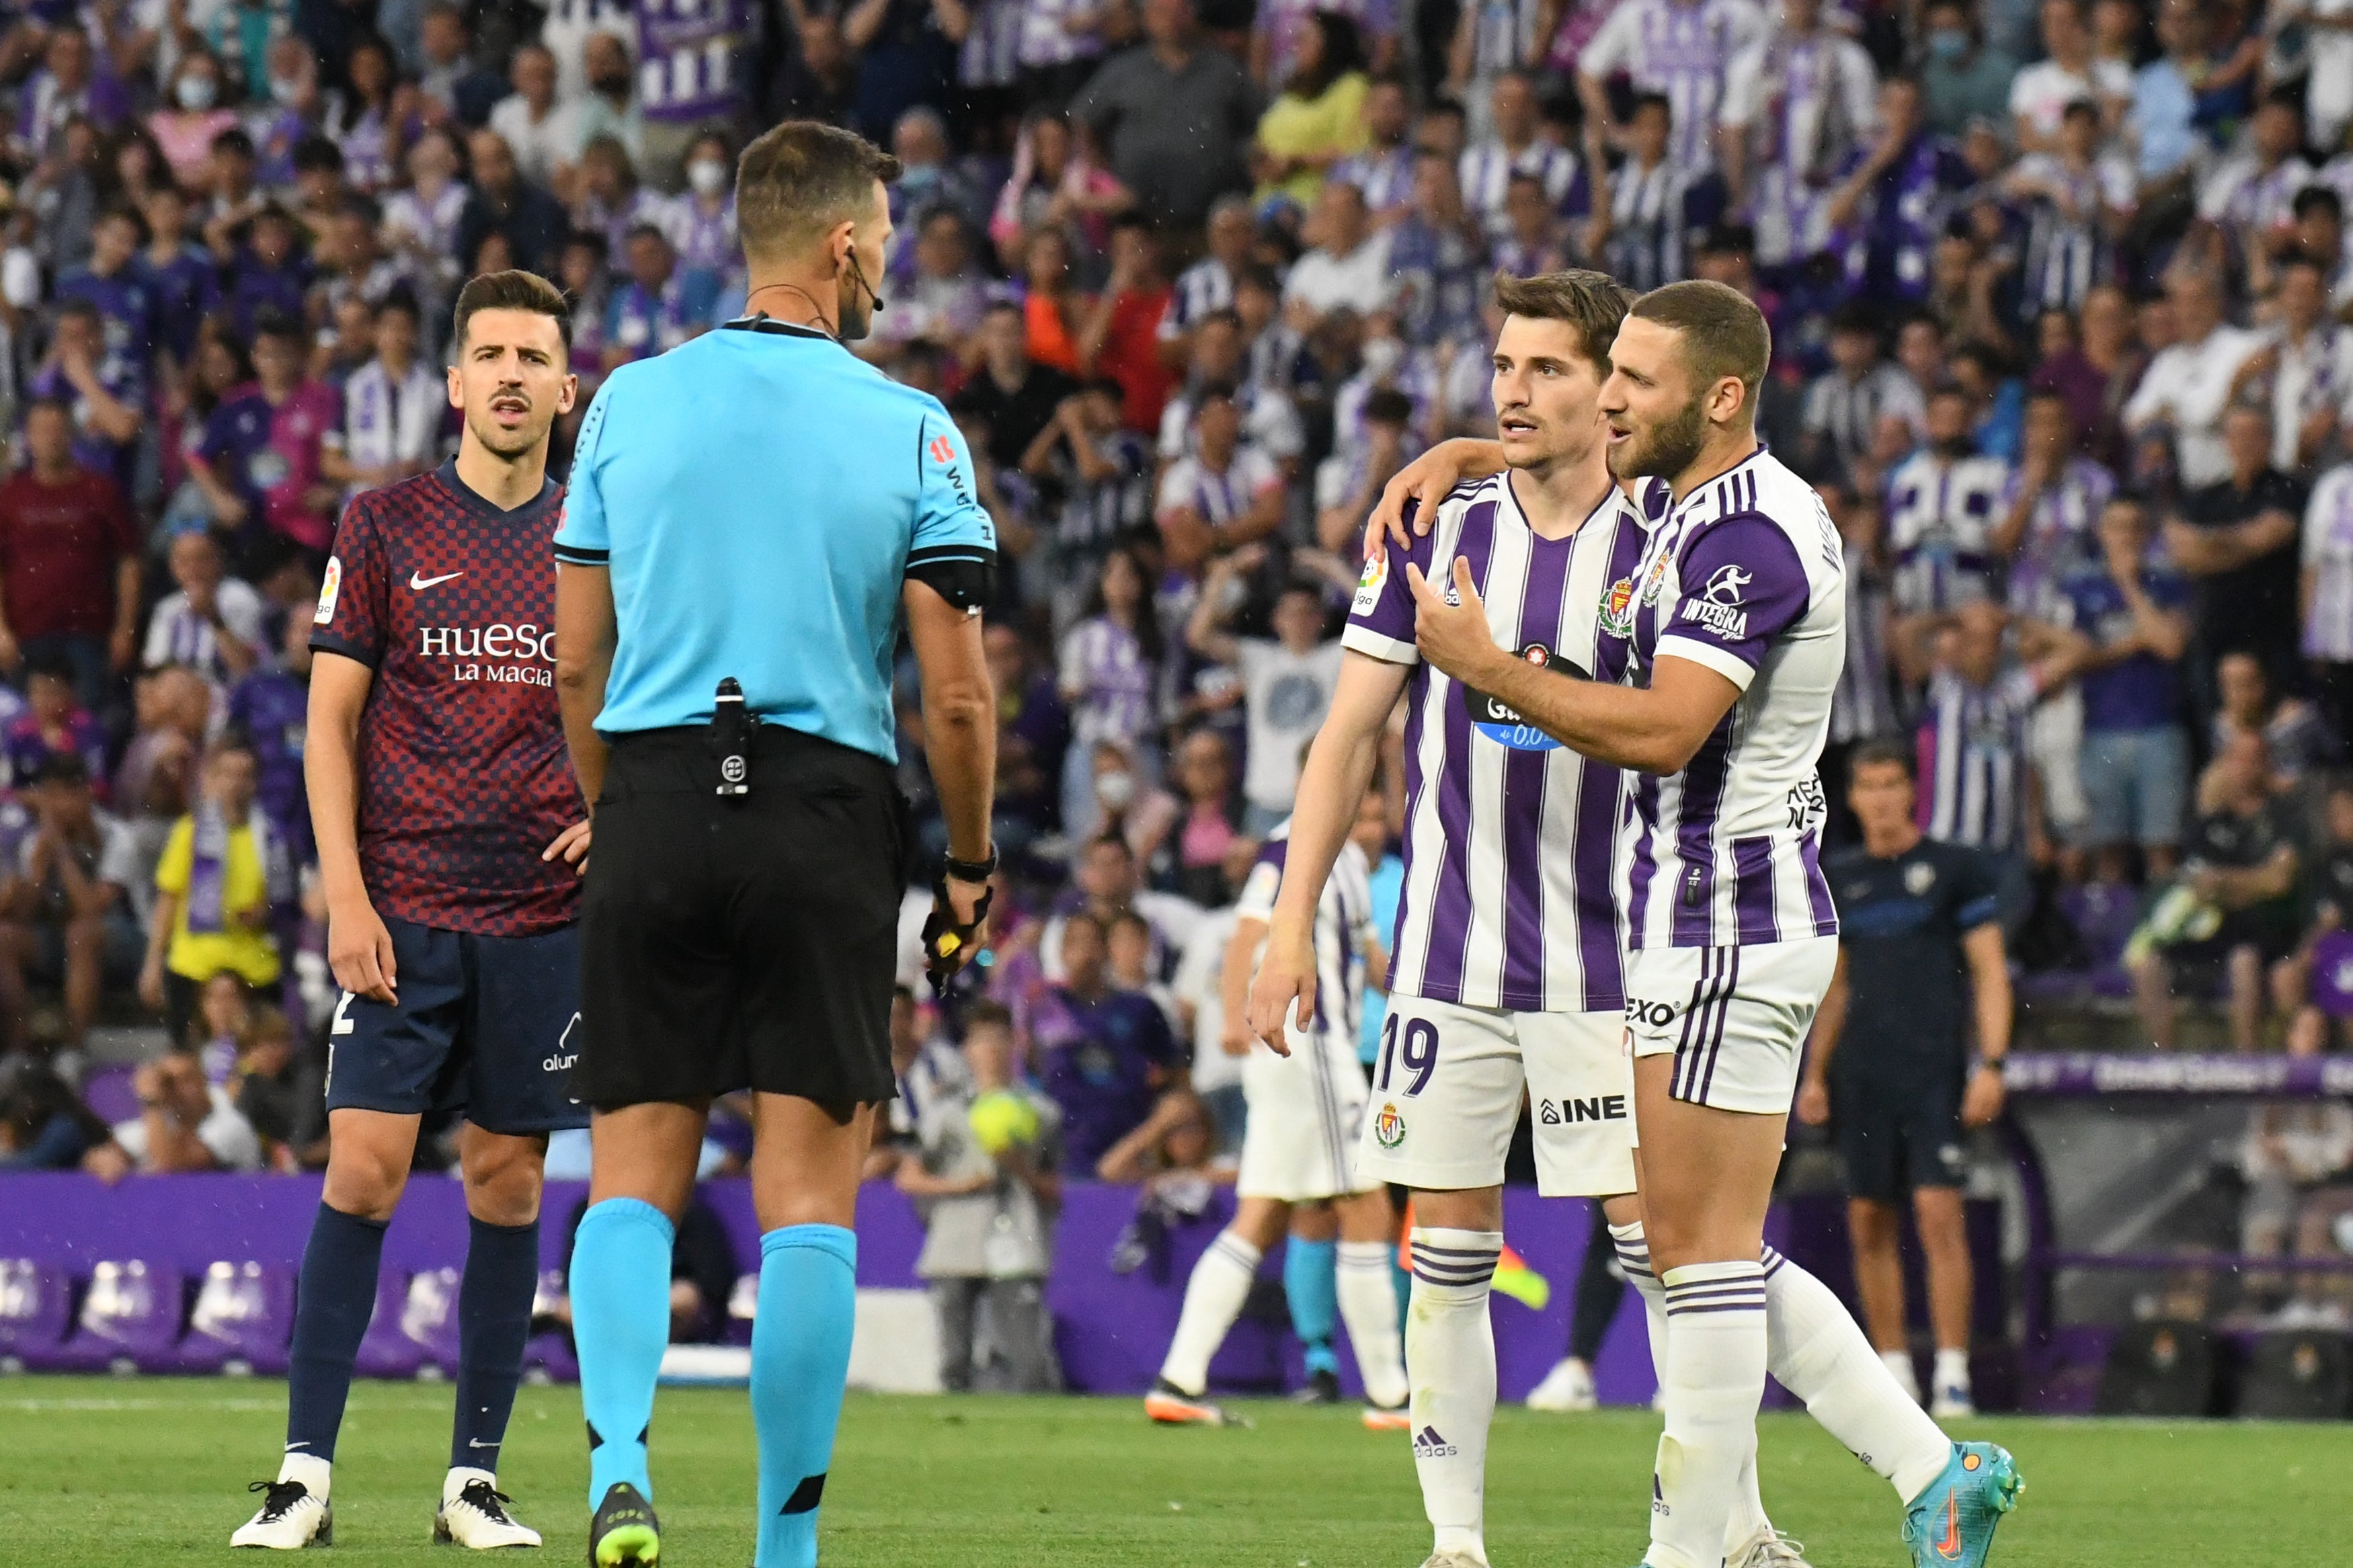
{"type": "Point", "coordinates": [1507, 901]}
{"type": "Point", "coordinates": [1747, 577]}
{"type": "Point", "coordinates": [1684, 51]}
{"type": "Point", "coordinates": [1344, 918]}
{"type": "Point", "coordinates": [1972, 750]}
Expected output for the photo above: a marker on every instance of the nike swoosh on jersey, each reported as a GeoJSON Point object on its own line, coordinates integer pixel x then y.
{"type": "Point", "coordinates": [418, 582]}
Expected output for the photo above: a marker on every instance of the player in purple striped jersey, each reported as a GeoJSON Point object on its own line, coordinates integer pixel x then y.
{"type": "Point", "coordinates": [1733, 649]}
{"type": "Point", "coordinates": [1506, 978]}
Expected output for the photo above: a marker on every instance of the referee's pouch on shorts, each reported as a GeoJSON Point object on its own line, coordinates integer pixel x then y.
{"type": "Point", "coordinates": [777, 762]}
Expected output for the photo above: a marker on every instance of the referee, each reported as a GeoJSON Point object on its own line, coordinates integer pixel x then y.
{"type": "Point", "coordinates": [1919, 950]}
{"type": "Point", "coordinates": [759, 510]}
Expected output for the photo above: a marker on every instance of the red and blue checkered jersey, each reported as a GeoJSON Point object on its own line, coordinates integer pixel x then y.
{"type": "Point", "coordinates": [464, 776]}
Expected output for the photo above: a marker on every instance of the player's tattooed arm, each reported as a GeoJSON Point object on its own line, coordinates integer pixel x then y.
{"type": "Point", "coordinates": [1424, 482]}
{"type": "Point", "coordinates": [1656, 729]}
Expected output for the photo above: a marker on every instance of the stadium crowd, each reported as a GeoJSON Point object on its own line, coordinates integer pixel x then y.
{"type": "Point", "coordinates": [2057, 295]}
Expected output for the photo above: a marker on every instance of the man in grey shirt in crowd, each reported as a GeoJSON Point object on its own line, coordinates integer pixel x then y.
{"type": "Point", "coordinates": [1174, 114]}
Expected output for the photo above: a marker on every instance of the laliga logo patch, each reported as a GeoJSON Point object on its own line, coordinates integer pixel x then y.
{"type": "Point", "coordinates": [1389, 1127]}
{"type": "Point", "coordinates": [1369, 584]}
{"type": "Point", "coordinates": [329, 587]}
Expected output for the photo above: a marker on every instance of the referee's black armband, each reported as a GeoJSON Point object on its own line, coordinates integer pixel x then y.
{"type": "Point", "coordinates": [963, 574]}
{"type": "Point", "coordinates": [574, 555]}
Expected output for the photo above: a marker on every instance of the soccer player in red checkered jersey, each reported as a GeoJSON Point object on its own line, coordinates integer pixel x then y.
{"type": "Point", "coordinates": [450, 836]}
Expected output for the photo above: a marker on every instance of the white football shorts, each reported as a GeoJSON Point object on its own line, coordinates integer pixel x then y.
{"type": "Point", "coordinates": [1446, 1089]}
{"type": "Point", "coordinates": [1299, 1141]}
{"type": "Point", "coordinates": [1734, 1017]}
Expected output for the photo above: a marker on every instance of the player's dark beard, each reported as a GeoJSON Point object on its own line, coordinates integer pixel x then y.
{"type": "Point", "coordinates": [1669, 449]}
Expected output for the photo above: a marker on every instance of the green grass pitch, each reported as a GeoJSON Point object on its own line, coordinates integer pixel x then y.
{"type": "Point", "coordinates": [97, 1471]}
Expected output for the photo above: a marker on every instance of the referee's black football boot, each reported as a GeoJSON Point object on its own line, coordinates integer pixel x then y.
{"type": "Point", "coordinates": [625, 1533]}
{"type": "Point", "coordinates": [292, 1516]}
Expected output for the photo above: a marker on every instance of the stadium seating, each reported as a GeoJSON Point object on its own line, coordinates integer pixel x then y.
{"type": "Point", "coordinates": [130, 1319]}
{"type": "Point", "coordinates": [243, 1318]}
{"type": "Point", "coordinates": [35, 1310]}
{"type": "Point", "coordinates": [2298, 1374]}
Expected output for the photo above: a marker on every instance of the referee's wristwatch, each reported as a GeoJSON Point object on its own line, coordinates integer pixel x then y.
{"type": "Point", "coordinates": [971, 871]}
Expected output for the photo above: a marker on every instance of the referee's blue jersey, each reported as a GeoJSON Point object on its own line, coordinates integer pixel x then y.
{"type": "Point", "coordinates": [761, 495]}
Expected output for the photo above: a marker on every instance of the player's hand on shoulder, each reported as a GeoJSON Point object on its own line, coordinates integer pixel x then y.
{"type": "Point", "coordinates": [359, 952]}
{"type": "Point", "coordinates": [1424, 482]}
{"type": "Point", "coordinates": [571, 846]}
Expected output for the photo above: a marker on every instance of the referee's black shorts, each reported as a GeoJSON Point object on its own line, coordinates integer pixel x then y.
{"type": "Point", "coordinates": [728, 943]}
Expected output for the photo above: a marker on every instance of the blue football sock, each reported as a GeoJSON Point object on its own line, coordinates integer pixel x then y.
{"type": "Point", "coordinates": [1311, 1285]}
{"type": "Point", "coordinates": [800, 1358]}
{"type": "Point", "coordinates": [493, 1320]}
{"type": "Point", "coordinates": [333, 1300]}
{"type": "Point", "coordinates": [620, 1322]}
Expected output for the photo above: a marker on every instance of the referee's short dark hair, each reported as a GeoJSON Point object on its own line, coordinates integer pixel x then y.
{"type": "Point", "coordinates": [1592, 302]}
{"type": "Point", "coordinates": [512, 290]}
{"type": "Point", "coordinates": [797, 180]}
{"type": "Point", "coordinates": [1884, 750]}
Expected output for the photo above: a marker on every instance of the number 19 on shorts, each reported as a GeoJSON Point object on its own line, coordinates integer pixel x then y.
{"type": "Point", "coordinates": [1419, 1051]}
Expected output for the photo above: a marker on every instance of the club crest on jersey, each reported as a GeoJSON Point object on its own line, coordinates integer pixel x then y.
{"type": "Point", "coordinates": [1389, 1127]}
{"type": "Point", "coordinates": [1617, 609]}
{"type": "Point", "coordinates": [1503, 723]}
{"type": "Point", "coordinates": [1651, 584]}
{"type": "Point", "coordinates": [1369, 584]}
{"type": "Point", "coordinates": [331, 585]}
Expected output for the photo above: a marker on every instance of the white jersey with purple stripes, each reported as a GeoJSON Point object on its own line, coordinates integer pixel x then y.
{"type": "Point", "coordinates": [1746, 577]}
{"type": "Point", "coordinates": [1344, 920]}
{"type": "Point", "coordinates": [1507, 902]}
{"type": "Point", "coordinates": [1683, 51]}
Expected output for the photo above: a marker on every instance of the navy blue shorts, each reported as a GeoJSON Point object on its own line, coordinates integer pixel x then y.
{"type": "Point", "coordinates": [486, 1025]}
{"type": "Point", "coordinates": [1898, 1138]}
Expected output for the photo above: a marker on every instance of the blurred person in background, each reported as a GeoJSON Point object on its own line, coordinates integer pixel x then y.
{"type": "Point", "coordinates": [1922, 987]}
{"type": "Point", "coordinates": [65, 908]}
{"type": "Point", "coordinates": [1110, 678]}
{"type": "Point", "coordinates": [44, 1125]}
{"type": "Point", "coordinates": [1104, 1055]}
{"type": "Point", "coordinates": [1318, 118]}
{"type": "Point", "coordinates": [211, 622]}
{"type": "Point", "coordinates": [987, 1187]}
{"type": "Point", "coordinates": [52, 724]}
{"type": "Point", "coordinates": [2231, 912]}
{"type": "Point", "coordinates": [2236, 537]}
{"type": "Point", "coordinates": [69, 568]}
{"type": "Point", "coordinates": [214, 894]}
{"type": "Point", "coordinates": [184, 1124]}
{"type": "Point", "coordinates": [1287, 681]}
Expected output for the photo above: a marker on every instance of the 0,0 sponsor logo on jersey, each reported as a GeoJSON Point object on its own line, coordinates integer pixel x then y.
{"type": "Point", "coordinates": [1504, 723]}
{"type": "Point", "coordinates": [1650, 1014]}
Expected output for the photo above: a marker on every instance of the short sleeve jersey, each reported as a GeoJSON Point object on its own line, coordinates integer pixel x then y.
{"type": "Point", "coordinates": [464, 775]}
{"type": "Point", "coordinates": [1746, 576]}
{"type": "Point", "coordinates": [1507, 901]}
{"type": "Point", "coordinates": [1901, 922]}
{"type": "Point", "coordinates": [761, 497]}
